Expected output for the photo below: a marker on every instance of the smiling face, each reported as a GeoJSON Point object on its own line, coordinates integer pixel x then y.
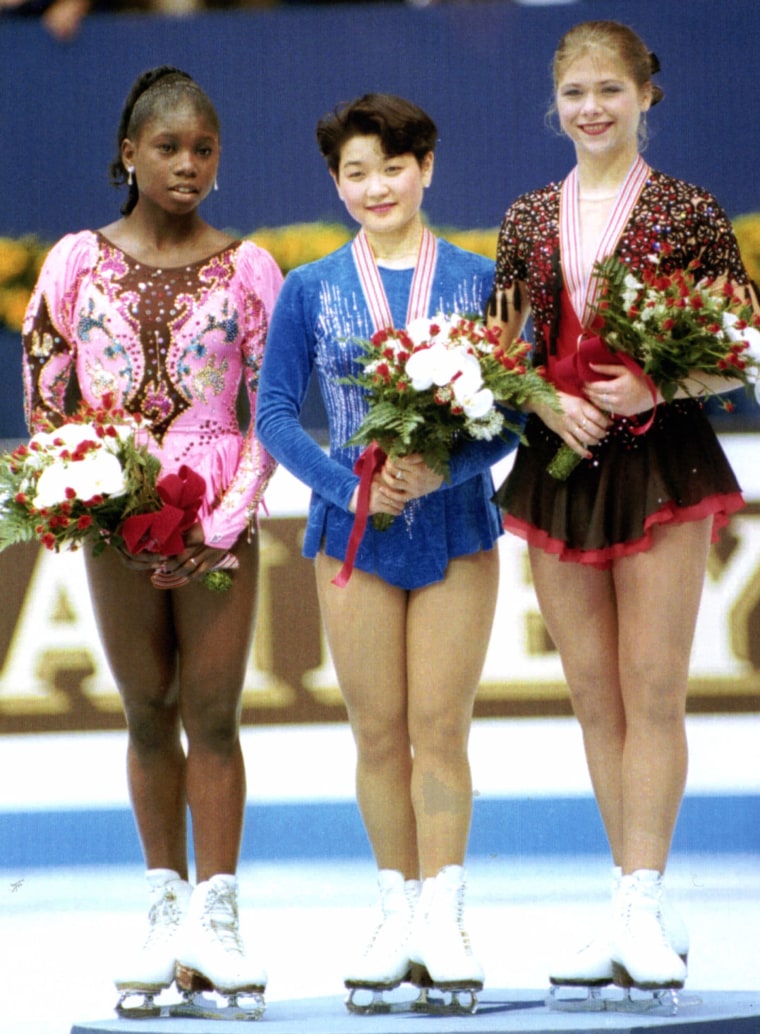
{"type": "Point", "coordinates": [600, 105]}
{"type": "Point", "coordinates": [383, 193]}
{"type": "Point", "coordinates": [175, 158]}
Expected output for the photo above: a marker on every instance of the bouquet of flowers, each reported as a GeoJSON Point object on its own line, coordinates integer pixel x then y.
{"type": "Point", "coordinates": [428, 386]}
{"type": "Point", "coordinates": [437, 381]}
{"type": "Point", "coordinates": [672, 329]}
{"type": "Point", "coordinates": [92, 481]}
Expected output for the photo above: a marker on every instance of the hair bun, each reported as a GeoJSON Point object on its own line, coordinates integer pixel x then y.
{"type": "Point", "coordinates": [654, 63]}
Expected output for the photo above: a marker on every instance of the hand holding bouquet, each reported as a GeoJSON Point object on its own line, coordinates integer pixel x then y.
{"type": "Point", "coordinates": [91, 480]}
{"type": "Point", "coordinates": [674, 330]}
{"type": "Point", "coordinates": [438, 381]}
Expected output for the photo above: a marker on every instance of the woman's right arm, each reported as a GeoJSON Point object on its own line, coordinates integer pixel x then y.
{"type": "Point", "coordinates": [285, 375]}
{"type": "Point", "coordinates": [48, 335]}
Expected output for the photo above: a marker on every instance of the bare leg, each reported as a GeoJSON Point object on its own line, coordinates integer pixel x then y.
{"type": "Point", "coordinates": [659, 593]}
{"type": "Point", "coordinates": [409, 679]}
{"type": "Point", "coordinates": [448, 630]}
{"type": "Point", "coordinates": [215, 635]}
{"type": "Point", "coordinates": [625, 644]}
{"type": "Point", "coordinates": [170, 651]}
{"type": "Point", "coordinates": [365, 623]}
{"type": "Point", "coordinates": [136, 627]}
{"type": "Point", "coordinates": [579, 607]}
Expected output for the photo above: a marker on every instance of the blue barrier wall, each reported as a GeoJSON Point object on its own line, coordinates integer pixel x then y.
{"type": "Point", "coordinates": [278, 832]}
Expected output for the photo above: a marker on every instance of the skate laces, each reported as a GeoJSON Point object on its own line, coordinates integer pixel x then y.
{"type": "Point", "coordinates": [642, 911]}
{"type": "Point", "coordinates": [395, 919]}
{"type": "Point", "coordinates": [220, 915]}
{"type": "Point", "coordinates": [459, 914]}
{"type": "Point", "coordinates": [164, 917]}
{"type": "Point", "coordinates": [450, 901]}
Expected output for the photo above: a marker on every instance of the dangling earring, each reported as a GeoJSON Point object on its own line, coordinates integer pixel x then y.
{"type": "Point", "coordinates": [216, 183]}
{"type": "Point", "coordinates": [130, 175]}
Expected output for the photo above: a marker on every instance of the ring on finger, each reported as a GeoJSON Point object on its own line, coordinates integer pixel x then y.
{"type": "Point", "coordinates": [399, 475]}
{"type": "Point", "coordinates": [193, 561]}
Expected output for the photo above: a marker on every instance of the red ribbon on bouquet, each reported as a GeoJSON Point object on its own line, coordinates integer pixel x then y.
{"type": "Point", "coordinates": [366, 466]}
{"type": "Point", "coordinates": [570, 373]}
{"type": "Point", "coordinates": [163, 530]}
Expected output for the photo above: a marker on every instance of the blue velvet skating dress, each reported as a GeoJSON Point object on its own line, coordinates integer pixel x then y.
{"type": "Point", "coordinates": [320, 314]}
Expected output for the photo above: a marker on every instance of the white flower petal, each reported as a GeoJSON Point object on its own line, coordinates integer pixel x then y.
{"type": "Point", "coordinates": [477, 406]}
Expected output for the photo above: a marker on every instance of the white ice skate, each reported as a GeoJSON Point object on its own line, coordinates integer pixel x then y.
{"type": "Point", "coordinates": [578, 977]}
{"type": "Point", "coordinates": [385, 964]}
{"type": "Point", "coordinates": [211, 957]}
{"type": "Point", "coordinates": [642, 956]}
{"type": "Point", "coordinates": [443, 964]}
{"type": "Point", "coordinates": [149, 971]}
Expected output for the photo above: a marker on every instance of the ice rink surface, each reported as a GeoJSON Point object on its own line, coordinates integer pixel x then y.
{"type": "Point", "coordinates": [62, 929]}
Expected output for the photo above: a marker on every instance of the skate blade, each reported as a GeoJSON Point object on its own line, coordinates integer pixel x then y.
{"type": "Point", "coordinates": [138, 1005]}
{"type": "Point", "coordinates": [373, 1001]}
{"type": "Point", "coordinates": [448, 1001]}
{"type": "Point", "coordinates": [205, 1005]}
{"type": "Point", "coordinates": [571, 998]}
{"type": "Point", "coordinates": [663, 1002]}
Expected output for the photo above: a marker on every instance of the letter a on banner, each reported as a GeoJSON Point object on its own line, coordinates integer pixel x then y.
{"type": "Point", "coordinates": [55, 631]}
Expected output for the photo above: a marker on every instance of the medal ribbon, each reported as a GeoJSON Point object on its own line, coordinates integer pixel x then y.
{"type": "Point", "coordinates": [372, 458]}
{"type": "Point", "coordinates": [582, 286]}
{"type": "Point", "coordinates": [372, 284]}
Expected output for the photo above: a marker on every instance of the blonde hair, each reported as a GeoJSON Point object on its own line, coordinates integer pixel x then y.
{"type": "Point", "coordinates": [615, 38]}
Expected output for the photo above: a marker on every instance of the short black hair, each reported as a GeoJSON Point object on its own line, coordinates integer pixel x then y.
{"type": "Point", "coordinates": [403, 127]}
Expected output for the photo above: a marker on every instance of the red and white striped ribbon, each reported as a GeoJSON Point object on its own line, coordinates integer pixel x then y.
{"type": "Point", "coordinates": [581, 285]}
{"type": "Point", "coordinates": [372, 284]}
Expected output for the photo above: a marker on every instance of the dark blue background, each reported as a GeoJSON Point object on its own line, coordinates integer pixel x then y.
{"type": "Point", "coordinates": [480, 69]}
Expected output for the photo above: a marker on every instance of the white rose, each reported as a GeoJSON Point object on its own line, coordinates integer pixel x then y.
{"type": "Point", "coordinates": [749, 334]}
{"type": "Point", "coordinates": [419, 369]}
{"type": "Point", "coordinates": [632, 287]}
{"type": "Point", "coordinates": [469, 378]}
{"type": "Point", "coordinates": [446, 364]}
{"type": "Point", "coordinates": [69, 435]}
{"type": "Point", "coordinates": [434, 365]}
{"type": "Point", "coordinates": [476, 406]}
{"type": "Point", "coordinates": [51, 486]}
{"type": "Point", "coordinates": [99, 474]}
{"type": "Point", "coordinates": [419, 331]}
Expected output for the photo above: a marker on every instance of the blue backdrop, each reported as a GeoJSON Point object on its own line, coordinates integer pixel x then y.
{"type": "Point", "coordinates": [480, 69]}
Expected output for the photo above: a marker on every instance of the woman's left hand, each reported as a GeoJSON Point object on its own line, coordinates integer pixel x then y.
{"type": "Point", "coordinates": [193, 563]}
{"type": "Point", "coordinates": [411, 476]}
{"type": "Point", "coordinates": [623, 392]}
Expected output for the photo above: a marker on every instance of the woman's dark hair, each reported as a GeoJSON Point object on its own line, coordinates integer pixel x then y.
{"type": "Point", "coordinates": [152, 92]}
{"type": "Point", "coordinates": [402, 127]}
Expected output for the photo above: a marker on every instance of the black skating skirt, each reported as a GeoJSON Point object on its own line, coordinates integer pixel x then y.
{"type": "Point", "coordinates": [608, 506]}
